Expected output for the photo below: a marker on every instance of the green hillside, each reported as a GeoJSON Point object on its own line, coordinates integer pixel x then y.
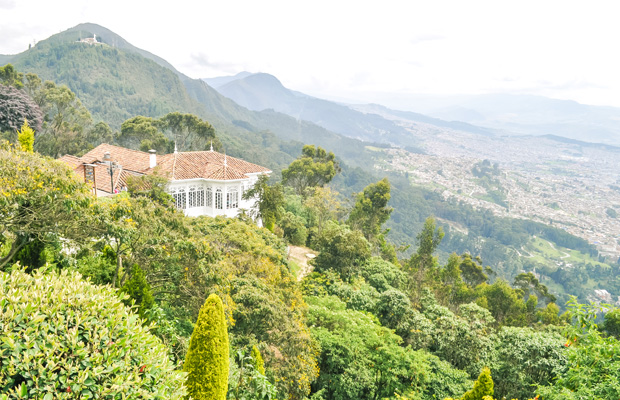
{"type": "Point", "coordinates": [112, 83]}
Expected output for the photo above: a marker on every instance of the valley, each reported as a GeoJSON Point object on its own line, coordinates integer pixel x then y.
{"type": "Point", "coordinates": [567, 184]}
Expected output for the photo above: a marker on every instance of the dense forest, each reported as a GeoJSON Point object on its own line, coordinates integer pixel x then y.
{"type": "Point", "coordinates": [126, 297]}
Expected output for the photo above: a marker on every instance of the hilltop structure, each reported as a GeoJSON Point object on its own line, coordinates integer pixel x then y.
{"type": "Point", "coordinates": [91, 41]}
{"type": "Point", "coordinates": [201, 182]}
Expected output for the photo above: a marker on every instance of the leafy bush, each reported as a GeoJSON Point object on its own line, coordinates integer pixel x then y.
{"type": "Point", "coordinates": [526, 358]}
{"type": "Point", "coordinates": [66, 338]}
{"type": "Point", "coordinates": [294, 229]}
{"type": "Point", "coordinates": [361, 359]}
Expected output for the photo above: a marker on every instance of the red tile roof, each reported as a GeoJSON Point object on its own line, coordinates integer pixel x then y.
{"type": "Point", "coordinates": [185, 165]}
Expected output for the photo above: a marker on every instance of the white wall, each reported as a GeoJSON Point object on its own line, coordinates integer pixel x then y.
{"type": "Point", "coordinates": [176, 188]}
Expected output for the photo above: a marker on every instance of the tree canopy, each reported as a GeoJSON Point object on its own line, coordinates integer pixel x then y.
{"type": "Point", "coordinates": [315, 167]}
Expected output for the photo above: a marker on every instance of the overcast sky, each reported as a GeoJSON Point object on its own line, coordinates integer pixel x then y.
{"type": "Point", "coordinates": [357, 50]}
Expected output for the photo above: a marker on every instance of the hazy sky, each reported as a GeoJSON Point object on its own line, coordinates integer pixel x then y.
{"type": "Point", "coordinates": [360, 49]}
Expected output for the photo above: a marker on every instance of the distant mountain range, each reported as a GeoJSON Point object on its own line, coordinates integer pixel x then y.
{"type": "Point", "coordinates": [520, 114]}
{"type": "Point", "coordinates": [491, 114]}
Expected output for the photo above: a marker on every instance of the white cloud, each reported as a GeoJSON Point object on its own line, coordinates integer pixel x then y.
{"type": "Point", "coordinates": [356, 48]}
{"type": "Point", "coordinates": [7, 4]}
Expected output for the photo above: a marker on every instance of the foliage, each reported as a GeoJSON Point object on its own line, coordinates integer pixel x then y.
{"type": "Point", "coordinates": [207, 360]}
{"type": "Point", "coordinates": [464, 340]}
{"type": "Point", "coordinates": [505, 303]}
{"type": "Point", "coordinates": [10, 77]}
{"type": "Point", "coordinates": [482, 387]}
{"type": "Point", "coordinates": [247, 381]}
{"type": "Point", "coordinates": [341, 249]}
{"type": "Point", "coordinates": [66, 121]}
{"type": "Point", "coordinates": [25, 137]}
{"type": "Point", "coordinates": [138, 290]}
{"type": "Point", "coordinates": [324, 205]}
{"type": "Point", "coordinates": [423, 263]}
{"type": "Point", "coordinates": [370, 210]}
{"type": "Point", "coordinates": [152, 186]}
{"type": "Point", "coordinates": [528, 283]}
{"type": "Point", "coordinates": [269, 201]}
{"type": "Point", "coordinates": [40, 199]}
{"type": "Point", "coordinates": [612, 323]}
{"type": "Point", "coordinates": [144, 133]}
{"type": "Point", "coordinates": [315, 167]}
{"type": "Point", "coordinates": [361, 359]}
{"type": "Point", "coordinates": [15, 107]}
{"type": "Point", "coordinates": [257, 360]}
{"type": "Point", "coordinates": [294, 229]}
{"type": "Point", "coordinates": [65, 337]}
{"type": "Point", "coordinates": [593, 361]}
{"type": "Point", "coordinates": [526, 358]}
{"type": "Point", "coordinates": [186, 131]}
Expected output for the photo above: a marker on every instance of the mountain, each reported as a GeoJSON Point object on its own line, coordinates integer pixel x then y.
{"type": "Point", "coordinates": [222, 80]}
{"type": "Point", "coordinates": [421, 118]}
{"type": "Point", "coordinates": [263, 92]}
{"type": "Point", "coordinates": [524, 114]}
{"type": "Point", "coordinates": [116, 81]}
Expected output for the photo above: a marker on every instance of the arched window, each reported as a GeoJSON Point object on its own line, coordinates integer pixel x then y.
{"type": "Point", "coordinates": [232, 198]}
{"type": "Point", "coordinates": [196, 196]}
{"type": "Point", "coordinates": [218, 199]}
{"type": "Point", "coordinates": [209, 197]}
{"type": "Point", "coordinates": [180, 198]}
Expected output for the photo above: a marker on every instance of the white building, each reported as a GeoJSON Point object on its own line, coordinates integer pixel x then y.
{"type": "Point", "coordinates": [201, 182]}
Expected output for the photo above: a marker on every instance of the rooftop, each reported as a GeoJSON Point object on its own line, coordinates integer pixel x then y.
{"type": "Point", "coordinates": [209, 165]}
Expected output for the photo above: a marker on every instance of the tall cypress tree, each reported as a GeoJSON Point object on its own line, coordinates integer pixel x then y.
{"type": "Point", "coordinates": [207, 360]}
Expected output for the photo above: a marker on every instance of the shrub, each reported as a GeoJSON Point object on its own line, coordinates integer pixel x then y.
{"type": "Point", "coordinates": [66, 338]}
{"type": "Point", "coordinates": [138, 290]}
{"type": "Point", "coordinates": [207, 360]}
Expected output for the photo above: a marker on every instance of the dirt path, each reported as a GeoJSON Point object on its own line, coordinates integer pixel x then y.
{"type": "Point", "coordinates": [301, 255]}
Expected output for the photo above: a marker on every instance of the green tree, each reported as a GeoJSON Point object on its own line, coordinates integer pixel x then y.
{"type": "Point", "coordinates": [505, 303]}
{"type": "Point", "coordinates": [144, 133]}
{"type": "Point", "coordinates": [188, 131]}
{"type": "Point", "coordinates": [472, 271]}
{"type": "Point", "coordinates": [294, 229]}
{"type": "Point", "coordinates": [315, 167]}
{"type": "Point", "coordinates": [139, 291]}
{"type": "Point", "coordinates": [371, 209]}
{"type": "Point", "coordinates": [324, 205]}
{"type": "Point", "coordinates": [529, 284]}
{"type": "Point", "coordinates": [9, 76]}
{"type": "Point", "coordinates": [525, 359]}
{"type": "Point", "coordinates": [342, 250]}
{"type": "Point", "coordinates": [40, 199]}
{"type": "Point", "coordinates": [612, 323]}
{"type": "Point", "coordinates": [207, 360]}
{"type": "Point", "coordinates": [66, 121]}
{"type": "Point", "coordinates": [268, 201]}
{"type": "Point", "coordinates": [360, 359]}
{"type": "Point", "coordinates": [26, 137]}
{"type": "Point", "coordinates": [423, 267]}
{"type": "Point", "coordinates": [593, 363]}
